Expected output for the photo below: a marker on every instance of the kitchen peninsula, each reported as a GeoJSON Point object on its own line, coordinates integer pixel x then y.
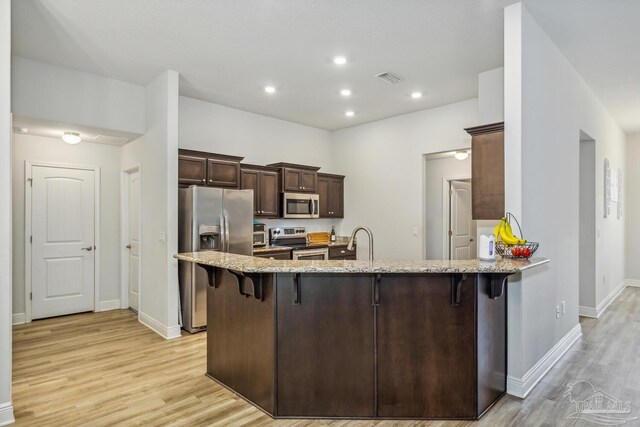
{"type": "Point", "coordinates": [359, 339]}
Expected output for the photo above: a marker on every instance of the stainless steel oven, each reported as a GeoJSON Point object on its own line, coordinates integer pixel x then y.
{"type": "Point", "coordinates": [310, 254]}
{"type": "Point", "coordinates": [300, 205]}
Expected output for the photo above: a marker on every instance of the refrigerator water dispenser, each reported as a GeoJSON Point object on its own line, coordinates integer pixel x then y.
{"type": "Point", "coordinates": [209, 237]}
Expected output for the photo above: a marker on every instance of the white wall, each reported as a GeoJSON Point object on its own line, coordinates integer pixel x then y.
{"type": "Point", "coordinates": [491, 96]}
{"type": "Point", "coordinates": [6, 408]}
{"type": "Point", "coordinates": [383, 162]}
{"type": "Point", "coordinates": [260, 139]}
{"type": "Point", "coordinates": [156, 153]}
{"type": "Point", "coordinates": [435, 171]}
{"type": "Point", "coordinates": [632, 207]}
{"type": "Point", "coordinates": [54, 150]}
{"type": "Point", "coordinates": [60, 94]}
{"type": "Point", "coordinates": [547, 104]}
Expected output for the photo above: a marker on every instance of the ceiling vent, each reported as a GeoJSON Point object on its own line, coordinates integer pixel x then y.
{"type": "Point", "coordinates": [389, 78]}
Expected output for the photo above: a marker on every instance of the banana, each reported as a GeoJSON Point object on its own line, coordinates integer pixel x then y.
{"type": "Point", "coordinates": [506, 238]}
{"type": "Point", "coordinates": [511, 236]}
{"type": "Point", "coordinates": [496, 230]}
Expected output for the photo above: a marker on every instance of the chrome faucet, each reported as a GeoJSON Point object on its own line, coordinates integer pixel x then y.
{"type": "Point", "coordinates": [353, 236]}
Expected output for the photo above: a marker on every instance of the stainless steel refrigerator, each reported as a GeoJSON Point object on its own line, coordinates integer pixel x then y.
{"type": "Point", "coordinates": [210, 219]}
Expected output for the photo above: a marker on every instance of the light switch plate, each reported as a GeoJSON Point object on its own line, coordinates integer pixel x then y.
{"type": "Point", "coordinates": [162, 236]}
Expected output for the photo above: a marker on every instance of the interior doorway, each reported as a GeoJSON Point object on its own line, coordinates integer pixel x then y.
{"type": "Point", "coordinates": [62, 225]}
{"type": "Point", "coordinates": [131, 239]}
{"type": "Point", "coordinates": [462, 227]}
{"type": "Point", "coordinates": [587, 235]}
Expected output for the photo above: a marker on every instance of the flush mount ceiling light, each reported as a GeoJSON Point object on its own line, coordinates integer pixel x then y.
{"type": "Point", "coordinates": [461, 155]}
{"type": "Point", "coordinates": [416, 95]}
{"type": "Point", "coordinates": [270, 89]}
{"type": "Point", "coordinates": [345, 92]}
{"type": "Point", "coordinates": [71, 137]}
{"type": "Point", "coordinates": [349, 113]}
{"type": "Point", "coordinates": [339, 60]}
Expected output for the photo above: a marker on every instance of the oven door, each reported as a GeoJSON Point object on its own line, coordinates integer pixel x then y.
{"type": "Point", "coordinates": [311, 254]}
{"type": "Point", "coordinates": [297, 205]}
{"type": "Point", "coordinates": [259, 238]}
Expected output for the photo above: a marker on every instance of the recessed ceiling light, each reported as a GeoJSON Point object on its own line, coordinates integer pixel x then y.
{"type": "Point", "coordinates": [416, 95]}
{"type": "Point", "coordinates": [345, 92]}
{"type": "Point", "coordinates": [270, 89]}
{"type": "Point", "coordinates": [461, 155]}
{"type": "Point", "coordinates": [349, 113]}
{"type": "Point", "coordinates": [71, 137]}
{"type": "Point", "coordinates": [339, 60]}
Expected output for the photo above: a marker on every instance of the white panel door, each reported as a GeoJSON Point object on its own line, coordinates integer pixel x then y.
{"type": "Point", "coordinates": [62, 250]}
{"type": "Point", "coordinates": [463, 228]}
{"type": "Point", "coordinates": [134, 240]}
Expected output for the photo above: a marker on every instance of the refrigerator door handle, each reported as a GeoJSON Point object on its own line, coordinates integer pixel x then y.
{"type": "Point", "coordinates": [223, 242]}
{"type": "Point", "coordinates": [226, 231]}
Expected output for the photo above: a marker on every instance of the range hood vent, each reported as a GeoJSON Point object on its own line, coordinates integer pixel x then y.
{"type": "Point", "coordinates": [389, 77]}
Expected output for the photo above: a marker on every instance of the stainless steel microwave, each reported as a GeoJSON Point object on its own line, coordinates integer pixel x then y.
{"type": "Point", "coordinates": [300, 205]}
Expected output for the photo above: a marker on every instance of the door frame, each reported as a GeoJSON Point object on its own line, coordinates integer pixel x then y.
{"type": "Point", "coordinates": [124, 237]}
{"type": "Point", "coordinates": [28, 190]}
{"type": "Point", "coordinates": [446, 212]}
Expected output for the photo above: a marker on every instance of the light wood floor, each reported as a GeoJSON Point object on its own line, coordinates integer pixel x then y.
{"type": "Point", "coordinates": [102, 369]}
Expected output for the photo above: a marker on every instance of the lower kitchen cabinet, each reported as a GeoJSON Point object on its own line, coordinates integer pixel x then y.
{"type": "Point", "coordinates": [319, 316]}
{"type": "Point", "coordinates": [331, 192]}
{"type": "Point", "coordinates": [341, 252]}
{"type": "Point", "coordinates": [274, 255]}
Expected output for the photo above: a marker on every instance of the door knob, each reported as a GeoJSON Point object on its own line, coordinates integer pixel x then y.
{"type": "Point", "coordinates": [88, 248]}
{"type": "Point", "coordinates": [128, 246]}
{"type": "Point", "coordinates": [471, 239]}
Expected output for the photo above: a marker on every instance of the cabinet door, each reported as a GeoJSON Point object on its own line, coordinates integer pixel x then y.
{"type": "Point", "coordinates": [192, 170]}
{"type": "Point", "coordinates": [269, 197]}
{"type": "Point", "coordinates": [336, 196]}
{"type": "Point", "coordinates": [309, 181]}
{"type": "Point", "coordinates": [250, 180]}
{"type": "Point", "coordinates": [314, 378]}
{"type": "Point", "coordinates": [323, 192]}
{"type": "Point", "coordinates": [223, 173]}
{"type": "Point", "coordinates": [292, 180]}
{"type": "Point", "coordinates": [274, 255]}
{"type": "Point", "coordinates": [426, 357]}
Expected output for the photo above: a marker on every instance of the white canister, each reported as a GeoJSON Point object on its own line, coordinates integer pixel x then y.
{"type": "Point", "coordinates": [487, 247]}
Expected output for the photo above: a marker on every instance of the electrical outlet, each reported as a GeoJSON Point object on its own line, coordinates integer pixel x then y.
{"type": "Point", "coordinates": [414, 230]}
{"type": "Point", "coordinates": [557, 311]}
{"type": "Point", "coordinates": [564, 308]}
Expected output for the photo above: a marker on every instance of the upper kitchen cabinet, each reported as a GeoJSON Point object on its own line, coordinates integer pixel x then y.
{"type": "Point", "coordinates": [487, 171]}
{"type": "Point", "coordinates": [264, 183]}
{"type": "Point", "coordinates": [297, 178]}
{"type": "Point", "coordinates": [212, 170]}
{"type": "Point", "coordinates": [331, 192]}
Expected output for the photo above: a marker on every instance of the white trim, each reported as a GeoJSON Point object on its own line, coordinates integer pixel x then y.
{"type": "Point", "coordinates": [602, 307]}
{"type": "Point", "coordinates": [633, 283]}
{"type": "Point", "coordinates": [6, 414]}
{"type": "Point", "coordinates": [521, 387]}
{"type": "Point", "coordinates": [166, 332]}
{"type": "Point", "coordinates": [28, 165]}
{"type": "Point", "coordinates": [113, 304]}
{"type": "Point", "coordinates": [19, 318]}
{"type": "Point", "coordinates": [124, 236]}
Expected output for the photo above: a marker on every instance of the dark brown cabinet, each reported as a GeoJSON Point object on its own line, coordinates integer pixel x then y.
{"type": "Point", "coordinates": [487, 171]}
{"type": "Point", "coordinates": [284, 255]}
{"type": "Point", "coordinates": [331, 192]}
{"type": "Point", "coordinates": [212, 170]}
{"type": "Point", "coordinates": [317, 315]}
{"type": "Point", "coordinates": [297, 178]}
{"type": "Point", "coordinates": [341, 252]}
{"type": "Point", "coordinates": [192, 170]}
{"type": "Point", "coordinates": [264, 183]}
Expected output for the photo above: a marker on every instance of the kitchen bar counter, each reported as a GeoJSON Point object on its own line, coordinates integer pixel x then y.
{"type": "Point", "coordinates": [359, 339]}
{"type": "Point", "coordinates": [248, 264]}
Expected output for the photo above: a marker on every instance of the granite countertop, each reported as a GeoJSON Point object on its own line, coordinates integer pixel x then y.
{"type": "Point", "coordinates": [249, 264]}
{"type": "Point", "coordinates": [268, 248]}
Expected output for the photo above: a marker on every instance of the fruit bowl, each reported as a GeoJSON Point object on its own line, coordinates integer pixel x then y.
{"type": "Point", "coordinates": [512, 251]}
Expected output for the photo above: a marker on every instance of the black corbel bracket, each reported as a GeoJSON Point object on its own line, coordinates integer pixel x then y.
{"type": "Point", "coordinates": [497, 282]}
{"type": "Point", "coordinates": [248, 285]}
{"type": "Point", "coordinates": [456, 287]}
{"type": "Point", "coordinates": [211, 274]}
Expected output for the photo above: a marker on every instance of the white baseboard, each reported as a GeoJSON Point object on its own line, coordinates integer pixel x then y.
{"type": "Point", "coordinates": [113, 304]}
{"type": "Point", "coordinates": [602, 307]}
{"type": "Point", "coordinates": [520, 387]}
{"type": "Point", "coordinates": [633, 282]}
{"type": "Point", "coordinates": [166, 332]}
{"type": "Point", "coordinates": [6, 414]}
{"type": "Point", "coordinates": [19, 318]}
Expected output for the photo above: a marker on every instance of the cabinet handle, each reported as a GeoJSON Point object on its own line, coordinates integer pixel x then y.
{"type": "Point", "coordinates": [210, 180]}
{"type": "Point", "coordinates": [296, 289]}
{"type": "Point", "coordinates": [342, 252]}
{"type": "Point", "coordinates": [204, 180]}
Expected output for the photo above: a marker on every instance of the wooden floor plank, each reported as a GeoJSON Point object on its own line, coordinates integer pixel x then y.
{"type": "Point", "coordinates": [106, 369]}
